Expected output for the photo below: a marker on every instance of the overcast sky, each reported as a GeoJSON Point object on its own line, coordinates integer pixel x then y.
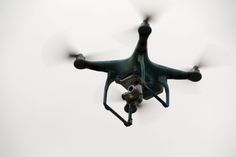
{"type": "Point", "coordinates": [48, 108]}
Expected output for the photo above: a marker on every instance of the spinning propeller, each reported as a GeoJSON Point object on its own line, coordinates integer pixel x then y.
{"type": "Point", "coordinates": [58, 49]}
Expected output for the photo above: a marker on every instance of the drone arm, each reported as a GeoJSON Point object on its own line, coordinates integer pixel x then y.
{"type": "Point", "coordinates": [93, 65]}
{"type": "Point", "coordinates": [105, 66]}
{"type": "Point", "coordinates": [192, 75]}
{"type": "Point", "coordinates": [109, 80]}
{"type": "Point", "coordinates": [170, 73]}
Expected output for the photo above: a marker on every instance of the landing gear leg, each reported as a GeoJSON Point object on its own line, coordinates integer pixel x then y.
{"type": "Point", "coordinates": [130, 107]}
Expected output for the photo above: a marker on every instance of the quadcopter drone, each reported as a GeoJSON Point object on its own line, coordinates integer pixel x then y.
{"type": "Point", "coordinates": [142, 78]}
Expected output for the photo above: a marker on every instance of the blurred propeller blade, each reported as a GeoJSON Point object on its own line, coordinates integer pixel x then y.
{"type": "Point", "coordinates": [214, 56]}
{"type": "Point", "coordinates": [59, 50]}
{"type": "Point", "coordinates": [72, 55]}
{"type": "Point", "coordinates": [150, 10]}
{"type": "Point", "coordinates": [127, 37]}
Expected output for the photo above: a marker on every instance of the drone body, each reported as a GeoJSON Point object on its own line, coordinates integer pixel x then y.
{"type": "Point", "coordinates": [142, 78]}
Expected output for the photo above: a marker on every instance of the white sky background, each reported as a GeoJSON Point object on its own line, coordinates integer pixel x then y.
{"type": "Point", "coordinates": [51, 110]}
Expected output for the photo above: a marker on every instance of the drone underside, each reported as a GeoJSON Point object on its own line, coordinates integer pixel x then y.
{"type": "Point", "coordinates": [142, 78]}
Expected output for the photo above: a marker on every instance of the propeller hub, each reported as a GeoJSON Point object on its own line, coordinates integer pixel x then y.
{"type": "Point", "coordinates": [195, 74]}
{"type": "Point", "coordinates": [144, 29]}
{"type": "Point", "coordinates": [79, 63]}
{"type": "Point", "coordinates": [147, 19]}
